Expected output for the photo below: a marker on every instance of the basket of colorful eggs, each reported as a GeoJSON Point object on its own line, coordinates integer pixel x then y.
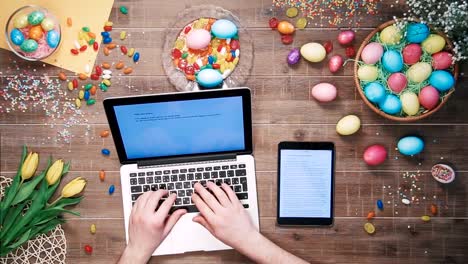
{"type": "Point", "coordinates": [33, 33]}
{"type": "Point", "coordinates": [404, 71]}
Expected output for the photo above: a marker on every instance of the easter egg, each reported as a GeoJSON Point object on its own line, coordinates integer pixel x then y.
{"type": "Point", "coordinates": [410, 145]}
{"type": "Point", "coordinates": [392, 61]}
{"type": "Point", "coordinates": [209, 78]}
{"type": "Point", "coordinates": [53, 38]}
{"type": "Point", "coordinates": [35, 17]}
{"type": "Point", "coordinates": [433, 44]}
{"type": "Point", "coordinates": [294, 56]}
{"type": "Point", "coordinates": [412, 54]}
{"type": "Point", "coordinates": [348, 125]}
{"type": "Point", "coordinates": [47, 24]}
{"type": "Point", "coordinates": [36, 33]}
{"type": "Point", "coordinates": [441, 60]}
{"type": "Point", "coordinates": [286, 28]}
{"type": "Point", "coordinates": [429, 97]}
{"type": "Point", "coordinates": [375, 155]}
{"type": "Point", "coordinates": [346, 37]}
{"type": "Point", "coordinates": [198, 39]}
{"type": "Point", "coordinates": [417, 32]}
{"type": "Point", "coordinates": [391, 104]}
{"type": "Point", "coordinates": [419, 72]}
{"type": "Point", "coordinates": [410, 103]}
{"type": "Point", "coordinates": [20, 21]}
{"type": "Point", "coordinates": [313, 52]}
{"type": "Point", "coordinates": [324, 92]}
{"type": "Point", "coordinates": [335, 63]}
{"type": "Point", "coordinates": [441, 80]}
{"type": "Point", "coordinates": [375, 92]}
{"type": "Point", "coordinates": [16, 36]}
{"type": "Point", "coordinates": [224, 29]}
{"type": "Point", "coordinates": [372, 53]}
{"type": "Point", "coordinates": [368, 73]}
{"type": "Point", "coordinates": [397, 82]}
{"type": "Point", "coordinates": [390, 35]}
{"type": "Point", "coordinates": [29, 45]}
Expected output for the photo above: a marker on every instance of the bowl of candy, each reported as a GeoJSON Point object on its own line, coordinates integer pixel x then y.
{"type": "Point", "coordinates": [405, 71]}
{"type": "Point", "coordinates": [33, 33]}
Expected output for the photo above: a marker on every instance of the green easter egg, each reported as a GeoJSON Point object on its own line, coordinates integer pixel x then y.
{"type": "Point", "coordinates": [29, 45]}
{"type": "Point", "coordinates": [36, 17]}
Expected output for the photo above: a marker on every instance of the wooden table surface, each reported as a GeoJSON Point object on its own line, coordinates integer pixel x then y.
{"type": "Point", "coordinates": [282, 110]}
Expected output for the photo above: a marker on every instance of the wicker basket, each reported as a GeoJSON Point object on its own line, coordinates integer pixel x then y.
{"type": "Point", "coordinates": [377, 110]}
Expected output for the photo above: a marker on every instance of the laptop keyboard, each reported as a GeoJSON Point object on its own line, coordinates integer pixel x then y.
{"type": "Point", "coordinates": [181, 182]}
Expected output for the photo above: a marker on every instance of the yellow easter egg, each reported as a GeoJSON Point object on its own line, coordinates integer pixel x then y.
{"type": "Point", "coordinates": [348, 125]}
{"type": "Point", "coordinates": [410, 103]}
{"type": "Point", "coordinates": [368, 73]}
{"type": "Point", "coordinates": [47, 24]}
{"type": "Point", "coordinates": [390, 35]}
{"type": "Point", "coordinates": [20, 21]}
{"type": "Point", "coordinates": [433, 44]}
{"type": "Point", "coordinates": [419, 72]}
{"type": "Point", "coordinates": [313, 52]}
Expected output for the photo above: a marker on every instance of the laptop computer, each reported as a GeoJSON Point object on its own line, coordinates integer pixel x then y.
{"type": "Point", "coordinates": [171, 141]}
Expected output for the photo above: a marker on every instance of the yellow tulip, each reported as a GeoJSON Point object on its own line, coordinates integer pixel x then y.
{"type": "Point", "coordinates": [29, 165]}
{"type": "Point", "coordinates": [74, 187]}
{"type": "Point", "coordinates": [54, 172]}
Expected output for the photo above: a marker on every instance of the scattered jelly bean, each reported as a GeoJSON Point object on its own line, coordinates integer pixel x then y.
{"type": "Point", "coordinates": [91, 42]}
{"type": "Point", "coordinates": [95, 46]}
{"type": "Point", "coordinates": [85, 29]}
{"type": "Point", "coordinates": [102, 175]}
{"type": "Point", "coordinates": [82, 76]}
{"type": "Point", "coordinates": [184, 55]}
{"type": "Point", "coordinates": [104, 133]}
{"type": "Point", "coordinates": [93, 90]}
{"type": "Point", "coordinates": [215, 66]}
{"type": "Point", "coordinates": [88, 86]}
{"type": "Point", "coordinates": [210, 59]}
{"type": "Point", "coordinates": [62, 76]}
{"type": "Point", "coordinates": [370, 215]}
{"type": "Point", "coordinates": [94, 76]}
{"type": "Point", "coordinates": [369, 228]}
{"type": "Point", "coordinates": [69, 22]}
{"type": "Point", "coordinates": [119, 65]}
{"type": "Point", "coordinates": [176, 53]}
{"type": "Point", "coordinates": [123, 49]}
{"type": "Point", "coordinates": [328, 45]}
{"type": "Point", "coordinates": [405, 201]}
{"type": "Point", "coordinates": [106, 76]}
{"type": "Point", "coordinates": [74, 51]}
{"type": "Point", "coordinates": [123, 10]}
{"type": "Point", "coordinates": [273, 23]}
{"type": "Point", "coordinates": [105, 65]}
{"type": "Point", "coordinates": [107, 28]}
{"type": "Point", "coordinates": [70, 86]}
{"type": "Point", "coordinates": [103, 87]}
{"type": "Point", "coordinates": [128, 70]}
{"type": "Point", "coordinates": [111, 46]}
{"type": "Point", "coordinates": [111, 189]}
{"type": "Point", "coordinates": [92, 229]}
{"type": "Point", "coordinates": [92, 35]}
{"type": "Point", "coordinates": [86, 95]}
{"type": "Point", "coordinates": [301, 23]}
{"type": "Point", "coordinates": [106, 51]}
{"type": "Point", "coordinates": [105, 34]}
{"type": "Point", "coordinates": [81, 94]}
{"type": "Point", "coordinates": [136, 57]}
{"type": "Point", "coordinates": [426, 218]}
{"type": "Point", "coordinates": [106, 82]}
{"type": "Point", "coordinates": [107, 72]}
{"type": "Point", "coordinates": [123, 35]}
{"type": "Point", "coordinates": [107, 40]}
{"type": "Point", "coordinates": [350, 52]}
{"type": "Point", "coordinates": [292, 12]}
{"type": "Point", "coordinates": [75, 83]}
{"type": "Point", "coordinates": [88, 249]}
{"type": "Point", "coordinates": [235, 44]}
{"type": "Point", "coordinates": [434, 209]}
{"type": "Point", "coordinates": [78, 103]}
{"type": "Point", "coordinates": [83, 48]}
{"type": "Point", "coordinates": [287, 39]}
{"type": "Point", "coordinates": [380, 205]}
{"type": "Point", "coordinates": [90, 102]}
{"type": "Point", "coordinates": [189, 70]}
{"type": "Point", "coordinates": [187, 29]}
{"type": "Point", "coordinates": [109, 23]}
{"type": "Point", "coordinates": [130, 52]}
{"type": "Point", "coordinates": [98, 70]}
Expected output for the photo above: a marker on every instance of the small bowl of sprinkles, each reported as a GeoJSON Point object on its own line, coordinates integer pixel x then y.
{"type": "Point", "coordinates": [203, 50]}
{"type": "Point", "coordinates": [33, 33]}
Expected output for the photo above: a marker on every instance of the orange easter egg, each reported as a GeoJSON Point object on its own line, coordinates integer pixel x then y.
{"type": "Point", "coordinates": [35, 32]}
{"type": "Point", "coordinates": [284, 27]}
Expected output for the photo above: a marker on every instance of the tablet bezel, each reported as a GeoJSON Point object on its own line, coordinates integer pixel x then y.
{"type": "Point", "coordinates": [306, 221]}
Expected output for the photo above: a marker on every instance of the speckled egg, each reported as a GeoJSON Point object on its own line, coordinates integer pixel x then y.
{"type": "Point", "coordinates": [441, 60]}
{"type": "Point", "coordinates": [47, 24]}
{"type": "Point", "coordinates": [20, 21]}
{"type": "Point", "coordinates": [348, 125]}
{"type": "Point", "coordinates": [53, 38]}
{"type": "Point", "coordinates": [198, 39]}
{"type": "Point", "coordinates": [392, 61]}
{"type": "Point", "coordinates": [391, 104]}
{"type": "Point", "coordinates": [372, 53]}
{"type": "Point", "coordinates": [375, 92]}
{"type": "Point", "coordinates": [433, 44]}
{"type": "Point", "coordinates": [410, 145]}
{"type": "Point", "coordinates": [224, 29]}
{"type": "Point", "coordinates": [429, 97]}
{"type": "Point", "coordinates": [412, 54]}
{"type": "Point", "coordinates": [410, 103]}
{"type": "Point", "coordinates": [417, 32]}
{"type": "Point", "coordinates": [16, 36]}
{"type": "Point", "coordinates": [324, 92]}
{"type": "Point", "coordinates": [375, 155]}
{"type": "Point", "coordinates": [397, 82]}
{"type": "Point", "coordinates": [209, 78]}
{"type": "Point", "coordinates": [368, 73]}
{"type": "Point", "coordinates": [35, 17]}
{"type": "Point", "coordinates": [442, 80]}
{"type": "Point", "coordinates": [390, 35]}
{"type": "Point", "coordinates": [313, 52]}
{"type": "Point", "coordinates": [419, 72]}
{"type": "Point", "coordinates": [29, 45]}
{"type": "Point", "coordinates": [36, 33]}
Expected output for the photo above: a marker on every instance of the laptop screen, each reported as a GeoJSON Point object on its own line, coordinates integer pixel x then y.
{"type": "Point", "coordinates": [185, 127]}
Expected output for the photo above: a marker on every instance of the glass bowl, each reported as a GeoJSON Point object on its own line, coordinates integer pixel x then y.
{"type": "Point", "coordinates": [46, 31]}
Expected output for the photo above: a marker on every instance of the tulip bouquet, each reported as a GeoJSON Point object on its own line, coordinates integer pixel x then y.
{"type": "Point", "coordinates": [25, 211]}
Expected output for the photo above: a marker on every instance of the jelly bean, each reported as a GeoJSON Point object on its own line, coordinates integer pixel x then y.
{"type": "Point", "coordinates": [78, 103]}
{"type": "Point", "coordinates": [380, 205]}
{"type": "Point", "coordinates": [292, 12]}
{"type": "Point", "coordinates": [95, 46]}
{"type": "Point", "coordinates": [233, 53]}
{"type": "Point", "coordinates": [93, 90]}
{"type": "Point", "coordinates": [107, 72]}
{"type": "Point", "coordinates": [81, 94]}
{"type": "Point", "coordinates": [123, 10]}
{"type": "Point", "coordinates": [92, 35]}
{"type": "Point", "coordinates": [370, 215]}
{"type": "Point", "coordinates": [102, 175]}
{"type": "Point", "coordinates": [109, 23]}
{"type": "Point", "coordinates": [434, 209]}
{"type": "Point", "coordinates": [130, 52]}
{"type": "Point", "coordinates": [105, 65]}
{"type": "Point", "coordinates": [196, 66]}
{"type": "Point", "coordinates": [74, 51]}
{"type": "Point", "coordinates": [90, 102]}
{"type": "Point", "coordinates": [106, 82]}
{"type": "Point", "coordinates": [123, 35]}
{"type": "Point", "coordinates": [86, 95]}
{"type": "Point", "coordinates": [187, 29]}
{"type": "Point", "coordinates": [105, 34]}
{"type": "Point", "coordinates": [350, 52]}
{"type": "Point", "coordinates": [111, 189]}
{"type": "Point", "coordinates": [106, 51]}
{"type": "Point", "coordinates": [190, 77]}
{"type": "Point", "coordinates": [369, 228]}
{"type": "Point", "coordinates": [88, 249]}
{"type": "Point", "coordinates": [184, 55]}
{"type": "Point", "coordinates": [106, 76]}
{"type": "Point", "coordinates": [82, 76]}
{"type": "Point", "coordinates": [91, 42]}
{"type": "Point", "coordinates": [216, 66]}
{"type": "Point", "coordinates": [98, 70]}
{"type": "Point", "coordinates": [107, 28]}
{"type": "Point", "coordinates": [85, 29]}
{"type": "Point", "coordinates": [128, 70]}
{"type": "Point", "coordinates": [287, 39]}
{"type": "Point", "coordinates": [189, 70]}
{"type": "Point", "coordinates": [62, 76]}
{"type": "Point", "coordinates": [94, 76]}
{"type": "Point", "coordinates": [111, 46]}
{"type": "Point", "coordinates": [182, 64]}
{"type": "Point", "coordinates": [136, 57]}
{"type": "Point", "coordinates": [104, 133]}
{"type": "Point", "coordinates": [328, 45]}
{"type": "Point", "coordinates": [107, 40]}
{"type": "Point", "coordinates": [92, 229]}
{"type": "Point", "coordinates": [119, 65]}
{"type": "Point", "coordinates": [87, 69]}
{"type": "Point", "coordinates": [69, 22]}
{"type": "Point", "coordinates": [83, 48]}
{"type": "Point", "coordinates": [301, 23]}
{"type": "Point", "coordinates": [235, 44]}
{"type": "Point", "coordinates": [405, 201]}
{"type": "Point", "coordinates": [426, 218]}
{"type": "Point", "coordinates": [70, 86]}
{"type": "Point", "coordinates": [210, 59]}
{"type": "Point", "coordinates": [273, 23]}
{"type": "Point", "coordinates": [123, 49]}
{"type": "Point", "coordinates": [103, 87]}
{"type": "Point", "coordinates": [75, 83]}
{"type": "Point", "coordinates": [176, 53]}
{"type": "Point", "coordinates": [88, 86]}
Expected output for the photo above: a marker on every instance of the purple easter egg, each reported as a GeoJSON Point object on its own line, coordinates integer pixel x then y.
{"type": "Point", "coordinates": [294, 56]}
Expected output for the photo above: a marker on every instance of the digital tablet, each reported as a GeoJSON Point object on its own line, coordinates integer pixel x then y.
{"type": "Point", "coordinates": [306, 172]}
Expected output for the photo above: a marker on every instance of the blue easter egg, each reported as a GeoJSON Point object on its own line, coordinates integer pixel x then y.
{"type": "Point", "coordinates": [391, 104]}
{"type": "Point", "coordinates": [136, 56]}
{"type": "Point", "coordinates": [375, 92]}
{"type": "Point", "coordinates": [105, 151]}
{"type": "Point", "coordinates": [224, 29]}
{"type": "Point", "coordinates": [442, 80]}
{"type": "Point", "coordinates": [417, 32]}
{"type": "Point", "coordinates": [53, 38]}
{"type": "Point", "coordinates": [410, 145]}
{"type": "Point", "coordinates": [380, 205]}
{"type": "Point", "coordinates": [392, 61]}
{"type": "Point", "coordinates": [111, 189]}
{"type": "Point", "coordinates": [209, 78]}
{"type": "Point", "coordinates": [16, 37]}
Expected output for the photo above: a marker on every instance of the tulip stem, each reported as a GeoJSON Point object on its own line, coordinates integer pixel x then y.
{"type": "Point", "coordinates": [55, 201]}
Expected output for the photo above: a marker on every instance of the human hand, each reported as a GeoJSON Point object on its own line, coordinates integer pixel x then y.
{"type": "Point", "coordinates": [223, 214]}
{"type": "Point", "coordinates": [147, 227]}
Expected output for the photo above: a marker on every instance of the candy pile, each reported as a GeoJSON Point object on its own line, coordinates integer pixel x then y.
{"type": "Point", "coordinates": [85, 38]}
{"type": "Point", "coordinates": [207, 50]}
{"type": "Point", "coordinates": [35, 35]}
{"type": "Point", "coordinates": [285, 28]}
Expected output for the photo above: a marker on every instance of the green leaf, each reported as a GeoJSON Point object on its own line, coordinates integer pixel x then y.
{"type": "Point", "coordinates": [68, 201]}
{"type": "Point", "coordinates": [13, 213]}
{"type": "Point", "coordinates": [51, 213]}
{"type": "Point", "coordinates": [28, 187]}
{"type": "Point", "coordinates": [24, 237]}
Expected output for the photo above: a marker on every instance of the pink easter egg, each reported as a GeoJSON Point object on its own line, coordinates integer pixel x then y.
{"type": "Point", "coordinates": [335, 63]}
{"type": "Point", "coordinates": [372, 53]}
{"type": "Point", "coordinates": [324, 92]}
{"type": "Point", "coordinates": [198, 39]}
{"type": "Point", "coordinates": [412, 54]}
{"type": "Point", "coordinates": [375, 155]}
{"type": "Point", "coordinates": [441, 60]}
{"type": "Point", "coordinates": [346, 37]}
{"type": "Point", "coordinates": [429, 97]}
{"type": "Point", "coordinates": [397, 82]}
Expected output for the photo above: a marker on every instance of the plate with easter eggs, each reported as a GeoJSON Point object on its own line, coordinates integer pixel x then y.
{"type": "Point", "coordinates": [404, 71]}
